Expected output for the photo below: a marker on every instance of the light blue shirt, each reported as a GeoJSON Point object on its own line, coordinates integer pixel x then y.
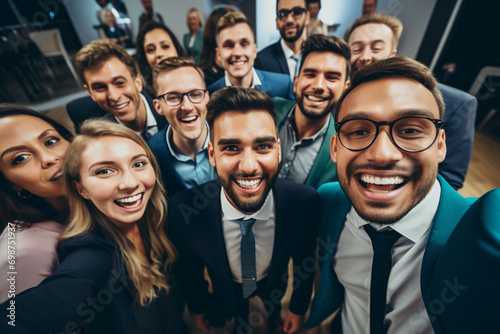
{"type": "Point", "coordinates": [192, 172]}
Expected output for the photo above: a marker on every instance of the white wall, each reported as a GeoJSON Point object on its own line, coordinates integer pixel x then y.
{"type": "Point", "coordinates": [83, 16]}
{"type": "Point", "coordinates": [415, 16]}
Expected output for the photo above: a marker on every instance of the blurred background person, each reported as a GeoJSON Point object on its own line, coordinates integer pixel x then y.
{"type": "Point", "coordinates": [149, 14]}
{"type": "Point", "coordinates": [316, 26]}
{"type": "Point", "coordinates": [155, 42]}
{"type": "Point", "coordinates": [369, 6]}
{"type": "Point", "coordinates": [34, 207]}
{"type": "Point", "coordinates": [209, 63]}
{"type": "Point", "coordinates": [193, 40]}
{"type": "Point", "coordinates": [114, 32]}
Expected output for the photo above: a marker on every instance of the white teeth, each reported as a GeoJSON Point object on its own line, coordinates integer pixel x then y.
{"type": "Point", "coordinates": [57, 176]}
{"type": "Point", "coordinates": [315, 98]}
{"type": "Point", "coordinates": [123, 105]}
{"type": "Point", "coordinates": [248, 183]}
{"type": "Point", "coordinates": [382, 181]}
{"type": "Point", "coordinates": [130, 199]}
{"type": "Point", "coordinates": [188, 119]}
{"type": "Point", "coordinates": [238, 63]}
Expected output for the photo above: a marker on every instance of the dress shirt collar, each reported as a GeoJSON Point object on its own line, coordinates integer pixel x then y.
{"type": "Point", "coordinates": [231, 213]}
{"type": "Point", "coordinates": [290, 122]}
{"type": "Point", "coordinates": [286, 50]}
{"type": "Point", "coordinates": [415, 224]}
{"type": "Point", "coordinates": [255, 79]}
{"type": "Point", "coordinates": [182, 157]}
{"type": "Point", "coordinates": [150, 119]}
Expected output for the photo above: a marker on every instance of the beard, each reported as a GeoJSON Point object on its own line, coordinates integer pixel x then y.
{"type": "Point", "coordinates": [313, 113]}
{"type": "Point", "coordinates": [248, 205]}
{"type": "Point", "coordinates": [293, 38]}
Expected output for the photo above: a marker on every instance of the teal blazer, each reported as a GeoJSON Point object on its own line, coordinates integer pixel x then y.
{"type": "Point", "coordinates": [468, 222]}
{"type": "Point", "coordinates": [195, 51]}
{"type": "Point", "coordinates": [324, 169]}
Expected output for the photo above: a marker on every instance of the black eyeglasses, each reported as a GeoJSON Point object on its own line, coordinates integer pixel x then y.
{"type": "Point", "coordinates": [411, 134]}
{"type": "Point", "coordinates": [174, 99]}
{"type": "Point", "coordinates": [297, 12]}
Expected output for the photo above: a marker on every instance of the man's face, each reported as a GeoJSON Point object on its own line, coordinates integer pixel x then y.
{"type": "Point", "coordinates": [370, 42]}
{"type": "Point", "coordinates": [148, 5]}
{"type": "Point", "coordinates": [187, 119]}
{"type": "Point", "coordinates": [369, 6]}
{"type": "Point", "coordinates": [246, 153]}
{"type": "Point", "coordinates": [291, 28]}
{"type": "Point", "coordinates": [112, 86]}
{"type": "Point", "coordinates": [313, 8]}
{"type": "Point", "coordinates": [382, 181]}
{"type": "Point", "coordinates": [236, 50]}
{"type": "Point", "coordinates": [320, 83]}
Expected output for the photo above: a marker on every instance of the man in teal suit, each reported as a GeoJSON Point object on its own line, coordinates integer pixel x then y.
{"type": "Point", "coordinates": [444, 268]}
{"type": "Point", "coordinates": [306, 124]}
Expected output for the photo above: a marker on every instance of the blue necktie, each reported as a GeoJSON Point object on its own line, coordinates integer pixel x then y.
{"type": "Point", "coordinates": [382, 243]}
{"type": "Point", "coordinates": [248, 269]}
{"type": "Point", "coordinates": [297, 67]}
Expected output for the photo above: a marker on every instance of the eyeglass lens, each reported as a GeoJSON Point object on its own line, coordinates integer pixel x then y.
{"type": "Point", "coordinates": [296, 12]}
{"type": "Point", "coordinates": [195, 96]}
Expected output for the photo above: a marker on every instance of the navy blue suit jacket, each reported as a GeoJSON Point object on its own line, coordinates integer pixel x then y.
{"type": "Point", "coordinates": [172, 181]}
{"type": "Point", "coordinates": [274, 84]}
{"type": "Point", "coordinates": [272, 59]}
{"type": "Point", "coordinates": [459, 119]}
{"type": "Point", "coordinates": [85, 108]}
{"type": "Point", "coordinates": [195, 218]}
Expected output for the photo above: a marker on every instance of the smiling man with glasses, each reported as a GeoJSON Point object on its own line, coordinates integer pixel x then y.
{"type": "Point", "coordinates": [181, 148]}
{"type": "Point", "coordinates": [284, 56]}
{"type": "Point", "coordinates": [402, 250]}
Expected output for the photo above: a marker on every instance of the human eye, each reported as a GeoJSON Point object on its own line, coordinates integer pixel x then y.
{"type": "Point", "coordinates": [120, 83]}
{"type": "Point", "coordinates": [99, 88]}
{"type": "Point", "coordinates": [139, 164]}
{"type": "Point", "coordinates": [165, 46]}
{"type": "Point", "coordinates": [150, 49]}
{"type": "Point", "coordinates": [20, 158]}
{"type": "Point", "coordinates": [355, 130]}
{"type": "Point", "coordinates": [52, 141]}
{"type": "Point", "coordinates": [230, 148]}
{"type": "Point", "coordinates": [103, 171]}
{"type": "Point", "coordinates": [332, 77]}
{"type": "Point", "coordinates": [173, 98]}
{"type": "Point", "coordinates": [413, 128]}
{"type": "Point", "coordinates": [196, 94]}
{"type": "Point", "coordinates": [228, 45]}
{"type": "Point", "coordinates": [264, 147]}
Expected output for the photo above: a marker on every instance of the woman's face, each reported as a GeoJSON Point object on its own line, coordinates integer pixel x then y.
{"type": "Point", "coordinates": [31, 155]}
{"type": "Point", "coordinates": [158, 45]}
{"type": "Point", "coordinates": [117, 176]}
{"type": "Point", "coordinates": [193, 22]}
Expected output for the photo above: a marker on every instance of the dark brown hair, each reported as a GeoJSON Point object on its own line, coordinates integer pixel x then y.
{"type": "Point", "coordinates": [170, 64]}
{"type": "Point", "coordinates": [392, 22]}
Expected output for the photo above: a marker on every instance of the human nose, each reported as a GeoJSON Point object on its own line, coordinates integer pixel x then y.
{"type": "Point", "coordinates": [186, 103]}
{"type": "Point", "coordinates": [114, 93]}
{"type": "Point", "coordinates": [49, 159]}
{"type": "Point", "coordinates": [366, 55]}
{"type": "Point", "coordinates": [318, 83]}
{"type": "Point", "coordinates": [128, 180]}
{"type": "Point", "coordinates": [383, 150]}
{"type": "Point", "coordinates": [248, 162]}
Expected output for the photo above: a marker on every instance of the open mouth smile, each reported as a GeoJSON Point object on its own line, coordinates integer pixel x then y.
{"type": "Point", "coordinates": [381, 184]}
{"type": "Point", "coordinates": [248, 184]}
{"type": "Point", "coordinates": [315, 98]}
{"type": "Point", "coordinates": [188, 119]}
{"type": "Point", "coordinates": [57, 176]}
{"type": "Point", "coordinates": [120, 106]}
{"type": "Point", "coordinates": [130, 202]}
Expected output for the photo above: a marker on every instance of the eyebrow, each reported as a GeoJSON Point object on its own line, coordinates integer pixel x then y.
{"type": "Point", "coordinates": [22, 147]}
{"type": "Point", "coordinates": [402, 113]}
{"type": "Point", "coordinates": [111, 162]}
{"type": "Point", "coordinates": [113, 79]}
{"type": "Point", "coordinates": [231, 141]}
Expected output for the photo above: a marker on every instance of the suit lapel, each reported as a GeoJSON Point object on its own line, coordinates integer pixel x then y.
{"type": "Point", "coordinates": [280, 57]}
{"type": "Point", "coordinates": [280, 232]}
{"type": "Point", "coordinates": [320, 169]}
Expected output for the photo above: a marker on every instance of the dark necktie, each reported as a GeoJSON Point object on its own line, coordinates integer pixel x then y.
{"type": "Point", "coordinates": [382, 243]}
{"type": "Point", "coordinates": [248, 269]}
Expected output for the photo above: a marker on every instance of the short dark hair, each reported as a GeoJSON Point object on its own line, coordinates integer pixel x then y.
{"type": "Point", "coordinates": [305, 3]}
{"type": "Point", "coordinates": [170, 64]}
{"type": "Point", "coordinates": [97, 52]}
{"type": "Point", "coordinates": [314, 1]}
{"type": "Point", "coordinates": [140, 54]}
{"type": "Point", "coordinates": [244, 100]}
{"type": "Point", "coordinates": [34, 209]}
{"type": "Point", "coordinates": [230, 19]}
{"type": "Point", "coordinates": [322, 43]}
{"type": "Point", "coordinates": [378, 18]}
{"type": "Point", "coordinates": [398, 66]}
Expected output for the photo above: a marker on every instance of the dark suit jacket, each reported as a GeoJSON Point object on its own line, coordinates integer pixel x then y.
{"type": "Point", "coordinates": [196, 230]}
{"type": "Point", "coordinates": [455, 214]}
{"type": "Point", "coordinates": [172, 181]}
{"type": "Point", "coordinates": [85, 108]}
{"type": "Point", "coordinates": [459, 119]}
{"type": "Point", "coordinates": [274, 84]}
{"type": "Point", "coordinates": [324, 169]}
{"type": "Point", "coordinates": [272, 59]}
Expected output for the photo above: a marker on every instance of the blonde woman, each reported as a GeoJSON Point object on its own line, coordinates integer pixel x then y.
{"type": "Point", "coordinates": [115, 255]}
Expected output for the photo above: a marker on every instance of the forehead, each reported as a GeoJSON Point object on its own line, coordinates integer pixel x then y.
{"type": "Point", "coordinates": [370, 32]}
{"type": "Point", "coordinates": [157, 35]}
{"type": "Point", "coordinates": [388, 99]}
{"type": "Point", "coordinates": [180, 80]}
{"type": "Point", "coordinates": [237, 32]}
{"type": "Point", "coordinates": [110, 148]}
{"type": "Point", "coordinates": [244, 126]}
{"type": "Point", "coordinates": [17, 129]}
{"type": "Point", "coordinates": [289, 4]}
{"type": "Point", "coordinates": [325, 62]}
{"type": "Point", "coordinates": [107, 71]}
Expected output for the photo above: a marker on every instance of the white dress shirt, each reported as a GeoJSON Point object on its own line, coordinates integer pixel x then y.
{"type": "Point", "coordinates": [151, 125]}
{"type": "Point", "coordinates": [292, 63]}
{"type": "Point", "coordinates": [263, 230]}
{"type": "Point", "coordinates": [405, 311]}
{"type": "Point", "coordinates": [255, 79]}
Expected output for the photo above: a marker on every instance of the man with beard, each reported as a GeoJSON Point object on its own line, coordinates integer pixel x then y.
{"type": "Point", "coordinates": [244, 228]}
{"type": "Point", "coordinates": [400, 250]}
{"type": "Point", "coordinates": [306, 124]}
{"type": "Point", "coordinates": [284, 56]}
{"type": "Point", "coordinates": [374, 37]}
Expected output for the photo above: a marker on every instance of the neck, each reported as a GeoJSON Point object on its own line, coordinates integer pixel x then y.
{"type": "Point", "coordinates": [132, 232]}
{"type": "Point", "coordinates": [139, 124]}
{"type": "Point", "coordinates": [307, 127]}
{"type": "Point", "coordinates": [194, 31]}
{"type": "Point", "coordinates": [186, 146]}
{"type": "Point", "coordinates": [245, 82]}
{"type": "Point", "coordinates": [295, 46]}
{"type": "Point", "coordinates": [60, 205]}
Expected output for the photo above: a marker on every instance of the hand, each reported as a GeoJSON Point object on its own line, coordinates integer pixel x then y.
{"type": "Point", "coordinates": [200, 322]}
{"type": "Point", "coordinates": [293, 322]}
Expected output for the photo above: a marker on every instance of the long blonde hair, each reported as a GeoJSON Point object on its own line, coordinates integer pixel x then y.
{"type": "Point", "coordinates": [149, 276]}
